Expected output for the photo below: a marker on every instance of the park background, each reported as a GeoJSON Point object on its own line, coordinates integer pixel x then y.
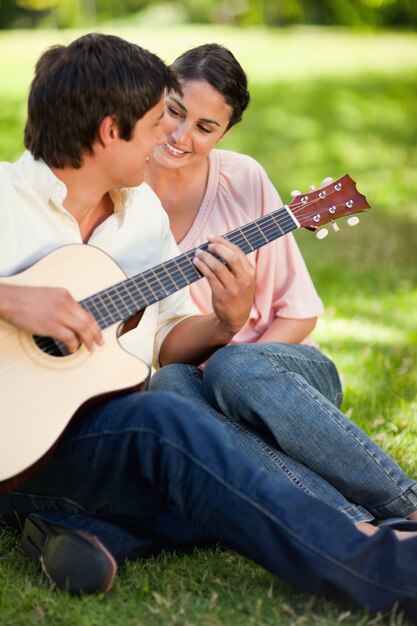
{"type": "Point", "coordinates": [334, 90]}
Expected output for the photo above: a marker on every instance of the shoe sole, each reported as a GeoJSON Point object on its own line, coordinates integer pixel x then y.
{"type": "Point", "coordinates": [38, 537]}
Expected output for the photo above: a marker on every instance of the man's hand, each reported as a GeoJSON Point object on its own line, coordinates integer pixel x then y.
{"type": "Point", "coordinates": [49, 312]}
{"type": "Point", "coordinates": [232, 282]}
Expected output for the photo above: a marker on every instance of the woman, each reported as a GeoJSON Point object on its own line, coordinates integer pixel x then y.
{"type": "Point", "coordinates": [280, 394]}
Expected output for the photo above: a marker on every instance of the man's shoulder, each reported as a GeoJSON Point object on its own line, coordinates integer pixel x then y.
{"type": "Point", "coordinates": [25, 167]}
{"type": "Point", "coordinates": [10, 176]}
{"type": "Point", "coordinates": [6, 169]}
{"type": "Point", "coordinates": [142, 193]}
{"type": "Point", "coordinates": [143, 206]}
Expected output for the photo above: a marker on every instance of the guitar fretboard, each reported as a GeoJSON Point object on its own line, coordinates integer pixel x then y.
{"type": "Point", "coordinates": [124, 299]}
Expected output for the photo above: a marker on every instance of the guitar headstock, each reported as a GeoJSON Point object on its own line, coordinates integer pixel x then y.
{"type": "Point", "coordinates": [321, 206]}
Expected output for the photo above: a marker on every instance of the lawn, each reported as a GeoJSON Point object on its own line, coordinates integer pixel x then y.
{"type": "Point", "coordinates": [324, 102]}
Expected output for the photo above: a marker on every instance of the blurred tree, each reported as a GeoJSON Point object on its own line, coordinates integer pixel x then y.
{"type": "Point", "coordinates": [332, 12]}
{"type": "Point", "coordinates": [66, 13]}
{"type": "Point", "coordinates": [12, 15]}
{"type": "Point", "coordinates": [61, 13]}
{"type": "Point", "coordinates": [376, 13]}
{"type": "Point", "coordinates": [70, 13]}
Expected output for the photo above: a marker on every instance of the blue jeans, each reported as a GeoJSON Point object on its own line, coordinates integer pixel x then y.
{"type": "Point", "coordinates": [282, 402]}
{"type": "Point", "coordinates": [132, 458]}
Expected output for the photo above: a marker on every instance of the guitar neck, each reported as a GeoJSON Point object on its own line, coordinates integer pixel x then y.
{"type": "Point", "coordinates": [134, 294]}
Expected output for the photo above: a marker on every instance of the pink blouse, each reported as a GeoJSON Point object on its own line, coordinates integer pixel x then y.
{"type": "Point", "coordinates": [239, 191]}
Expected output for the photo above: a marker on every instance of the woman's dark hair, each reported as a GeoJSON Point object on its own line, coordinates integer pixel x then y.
{"type": "Point", "coordinates": [78, 85]}
{"type": "Point", "coordinates": [216, 65]}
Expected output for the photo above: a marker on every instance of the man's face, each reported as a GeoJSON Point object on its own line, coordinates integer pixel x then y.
{"type": "Point", "coordinates": [131, 156]}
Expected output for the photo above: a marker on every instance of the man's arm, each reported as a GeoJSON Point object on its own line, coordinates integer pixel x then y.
{"type": "Point", "coordinates": [232, 283]}
{"type": "Point", "coordinates": [50, 312]}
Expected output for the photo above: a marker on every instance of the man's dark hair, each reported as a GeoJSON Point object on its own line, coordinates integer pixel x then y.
{"type": "Point", "coordinates": [78, 85]}
{"type": "Point", "coordinates": [216, 65]}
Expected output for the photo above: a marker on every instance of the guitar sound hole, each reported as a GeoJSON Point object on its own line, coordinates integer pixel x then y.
{"type": "Point", "coordinates": [50, 346]}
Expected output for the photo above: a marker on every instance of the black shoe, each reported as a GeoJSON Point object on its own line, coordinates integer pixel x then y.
{"type": "Point", "coordinates": [72, 560]}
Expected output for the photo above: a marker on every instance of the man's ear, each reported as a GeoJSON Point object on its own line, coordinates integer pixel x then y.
{"type": "Point", "coordinates": [108, 130]}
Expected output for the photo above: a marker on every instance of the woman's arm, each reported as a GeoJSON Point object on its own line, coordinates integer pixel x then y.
{"type": "Point", "coordinates": [232, 282]}
{"type": "Point", "coordinates": [287, 330]}
{"type": "Point", "coordinates": [194, 339]}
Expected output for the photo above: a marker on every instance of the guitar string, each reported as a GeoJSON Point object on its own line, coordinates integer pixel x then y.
{"type": "Point", "coordinates": [156, 279]}
{"type": "Point", "coordinates": [183, 261]}
{"type": "Point", "coordinates": [239, 235]}
{"type": "Point", "coordinates": [172, 274]}
{"type": "Point", "coordinates": [183, 264]}
{"type": "Point", "coordinates": [168, 279]}
{"type": "Point", "coordinates": [160, 281]}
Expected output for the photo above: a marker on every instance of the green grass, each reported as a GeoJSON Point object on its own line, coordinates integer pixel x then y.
{"type": "Point", "coordinates": [325, 102]}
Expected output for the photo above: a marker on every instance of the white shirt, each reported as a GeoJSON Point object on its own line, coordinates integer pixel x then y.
{"type": "Point", "coordinates": [33, 222]}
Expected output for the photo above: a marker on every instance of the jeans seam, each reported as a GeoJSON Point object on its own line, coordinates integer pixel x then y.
{"type": "Point", "coordinates": [353, 512]}
{"type": "Point", "coordinates": [310, 360]}
{"type": "Point", "coordinates": [367, 451]}
{"type": "Point", "coordinates": [294, 357]}
{"type": "Point", "coordinates": [288, 474]}
{"type": "Point", "coordinates": [245, 497]}
{"type": "Point", "coordinates": [347, 430]}
{"type": "Point", "coordinates": [406, 510]}
{"type": "Point", "coordinates": [291, 477]}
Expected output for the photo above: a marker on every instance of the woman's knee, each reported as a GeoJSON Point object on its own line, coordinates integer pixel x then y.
{"type": "Point", "coordinates": [230, 360]}
{"type": "Point", "coordinates": [231, 371]}
{"type": "Point", "coordinates": [238, 365]}
{"type": "Point", "coordinates": [170, 377]}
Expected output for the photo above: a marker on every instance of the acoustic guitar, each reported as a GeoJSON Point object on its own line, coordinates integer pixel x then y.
{"type": "Point", "coordinates": [43, 388]}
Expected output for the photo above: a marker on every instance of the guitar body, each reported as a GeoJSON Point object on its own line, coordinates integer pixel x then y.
{"type": "Point", "coordinates": [39, 392]}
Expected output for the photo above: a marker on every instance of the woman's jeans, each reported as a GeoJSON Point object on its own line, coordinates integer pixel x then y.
{"type": "Point", "coordinates": [282, 402]}
{"type": "Point", "coordinates": [130, 459]}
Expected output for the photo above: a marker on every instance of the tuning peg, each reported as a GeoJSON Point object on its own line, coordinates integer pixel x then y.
{"type": "Point", "coordinates": [353, 220]}
{"type": "Point", "coordinates": [295, 192]}
{"type": "Point", "coordinates": [312, 188]}
{"type": "Point", "coordinates": [335, 227]}
{"type": "Point", "coordinates": [322, 233]}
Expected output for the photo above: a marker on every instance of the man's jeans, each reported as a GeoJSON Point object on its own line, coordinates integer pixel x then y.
{"type": "Point", "coordinates": [282, 402]}
{"type": "Point", "coordinates": [133, 457]}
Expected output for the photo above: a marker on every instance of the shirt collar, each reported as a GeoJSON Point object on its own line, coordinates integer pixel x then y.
{"type": "Point", "coordinates": [42, 179]}
{"type": "Point", "coordinates": [50, 188]}
{"type": "Point", "coordinates": [122, 198]}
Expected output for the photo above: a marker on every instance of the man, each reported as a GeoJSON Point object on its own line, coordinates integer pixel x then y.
{"type": "Point", "coordinates": [142, 471]}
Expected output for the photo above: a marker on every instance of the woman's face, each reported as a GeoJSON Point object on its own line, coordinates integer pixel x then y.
{"type": "Point", "coordinates": [193, 124]}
